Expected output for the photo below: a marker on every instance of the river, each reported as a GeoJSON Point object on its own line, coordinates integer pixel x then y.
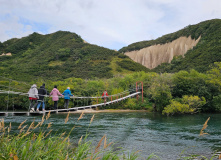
{"type": "Point", "coordinates": [166, 137]}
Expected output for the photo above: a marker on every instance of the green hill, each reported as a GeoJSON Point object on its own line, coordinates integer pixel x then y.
{"type": "Point", "coordinates": [204, 54]}
{"type": "Point", "coordinates": [61, 55]}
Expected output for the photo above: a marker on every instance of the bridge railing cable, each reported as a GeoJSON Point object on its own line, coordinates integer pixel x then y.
{"type": "Point", "coordinates": [84, 98]}
{"type": "Point", "coordinates": [80, 97]}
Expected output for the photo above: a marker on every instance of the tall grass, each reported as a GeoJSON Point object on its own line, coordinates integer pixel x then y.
{"type": "Point", "coordinates": [35, 142]}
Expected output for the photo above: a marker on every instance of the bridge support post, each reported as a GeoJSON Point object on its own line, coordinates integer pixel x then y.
{"type": "Point", "coordinates": [141, 88]}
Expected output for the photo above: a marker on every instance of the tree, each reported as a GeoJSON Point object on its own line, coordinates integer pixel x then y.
{"type": "Point", "coordinates": [215, 75]}
{"type": "Point", "coordinates": [190, 83]}
{"type": "Point", "coordinates": [216, 102]}
{"type": "Point", "coordinates": [160, 91]}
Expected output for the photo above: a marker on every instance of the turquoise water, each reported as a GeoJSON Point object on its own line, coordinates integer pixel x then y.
{"type": "Point", "coordinates": [150, 133]}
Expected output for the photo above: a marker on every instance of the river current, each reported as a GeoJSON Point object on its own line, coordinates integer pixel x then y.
{"type": "Point", "coordinates": [166, 137]}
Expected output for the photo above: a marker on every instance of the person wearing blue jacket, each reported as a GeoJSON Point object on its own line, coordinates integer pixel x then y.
{"type": "Point", "coordinates": [67, 94]}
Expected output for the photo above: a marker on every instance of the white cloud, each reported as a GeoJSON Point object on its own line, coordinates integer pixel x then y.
{"type": "Point", "coordinates": [109, 23]}
{"type": "Point", "coordinates": [11, 29]}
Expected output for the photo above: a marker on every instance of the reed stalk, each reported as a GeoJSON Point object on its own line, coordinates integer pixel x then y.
{"type": "Point", "coordinates": [204, 127]}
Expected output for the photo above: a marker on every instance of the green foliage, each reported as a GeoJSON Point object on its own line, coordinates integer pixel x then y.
{"type": "Point", "coordinates": [58, 56]}
{"type": "Point", "coordinates": [134, 104]}
{"type": "Point", "coordinates": [187, 104]}
{"type": "Point", "coordinates": [126, 64]}
{"type": "Point", "coordinates": [160, 91]}
{"type": "Point", "coordinates": [216, 103]}
{"type": "Point", "coordinates": [194, 101]}
{"type": "Point", "coordinates": [177, 107]}
{"type": "Point", "coordinates": [190, 83]}
{"type": "Point", "coordinates": [131, 104]}
{"type": "Point", "coordinates": [204, 54]}
{"type": "Point", "coordinates": [195, 83]}
{"type": "Point", "coordinates": [122, 56]}
{"type": "Point", "coordinates": [215, 75]}
{"type": "Point", "coordinates": [62, 54]}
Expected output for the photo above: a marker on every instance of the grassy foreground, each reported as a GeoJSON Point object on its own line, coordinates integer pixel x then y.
{"type": "Point", "coordinates": [35, 142]}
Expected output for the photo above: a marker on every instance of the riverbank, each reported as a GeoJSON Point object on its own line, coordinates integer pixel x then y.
{"type": "Point", "coordinates": [107, 111]}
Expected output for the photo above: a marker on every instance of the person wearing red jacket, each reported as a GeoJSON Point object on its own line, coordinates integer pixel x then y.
{"type": "Point", "coordinates": [105, 95]}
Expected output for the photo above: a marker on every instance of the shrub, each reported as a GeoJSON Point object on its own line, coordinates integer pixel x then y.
{"type": "Point", "coordinates": [216, 103]}
{"type": "Point", "coordinates": [187, 104]}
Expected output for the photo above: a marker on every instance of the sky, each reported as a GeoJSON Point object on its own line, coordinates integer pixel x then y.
{"type": "Point", "coordinates": [108, 23]}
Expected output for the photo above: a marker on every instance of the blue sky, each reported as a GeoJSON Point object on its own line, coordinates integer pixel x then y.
{"type": "Point", "coordinates": [109, 23]}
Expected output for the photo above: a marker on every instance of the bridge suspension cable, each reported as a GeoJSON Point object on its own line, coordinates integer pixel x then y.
{"type": "Point", "coordinates": [132, 91]}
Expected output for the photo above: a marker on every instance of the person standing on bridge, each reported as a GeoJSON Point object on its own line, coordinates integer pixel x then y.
{"type": "Point", "coordinates": [67, 94]}
{"type": "Point", "coordinates": [42, 92]}
{"type": "Point", "coordinates": [105, 95]}
{"type": "Point", "coordinates": [55, 93]}
{"type": "Point", "coordinates": [33, 96]}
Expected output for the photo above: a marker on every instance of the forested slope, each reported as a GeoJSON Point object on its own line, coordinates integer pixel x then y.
{"type": "Point", "coordinates": [205, 53]}
{"type": "Point", "coordinates": [61, 55]}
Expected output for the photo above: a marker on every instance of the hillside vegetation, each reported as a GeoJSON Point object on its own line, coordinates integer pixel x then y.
{"type": "Point", "coordinates": [204, 54]}
{"type": "Point", "coordinates": [61, 55]}
{"type": "Point", "coordinates": [180, 93]}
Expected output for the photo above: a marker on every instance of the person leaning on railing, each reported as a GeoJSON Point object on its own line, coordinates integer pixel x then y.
{"type": "Point", "coordinates": [67, 94]}
{"type": "Point", "coordinates": [41, 92]}
{"type": "Point", "coordinates": [105, 95]}
{"type": "Point", "coordinates": [54, 94]}
{"type": "Point", "coordinates": [33, 96]}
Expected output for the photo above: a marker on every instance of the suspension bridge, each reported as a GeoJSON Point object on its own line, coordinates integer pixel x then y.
{"type": "Point", "coordinates": [71, 109]}
{"type": "Point", "coordinates": [97, 102]}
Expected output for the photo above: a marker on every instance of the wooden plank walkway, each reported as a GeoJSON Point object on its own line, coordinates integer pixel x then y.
{"type": "Point", "coordinates": [69, 109]}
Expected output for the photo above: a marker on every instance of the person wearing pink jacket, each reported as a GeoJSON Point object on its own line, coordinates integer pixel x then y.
{"type": "Point", "coordinates": [54, 94]}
